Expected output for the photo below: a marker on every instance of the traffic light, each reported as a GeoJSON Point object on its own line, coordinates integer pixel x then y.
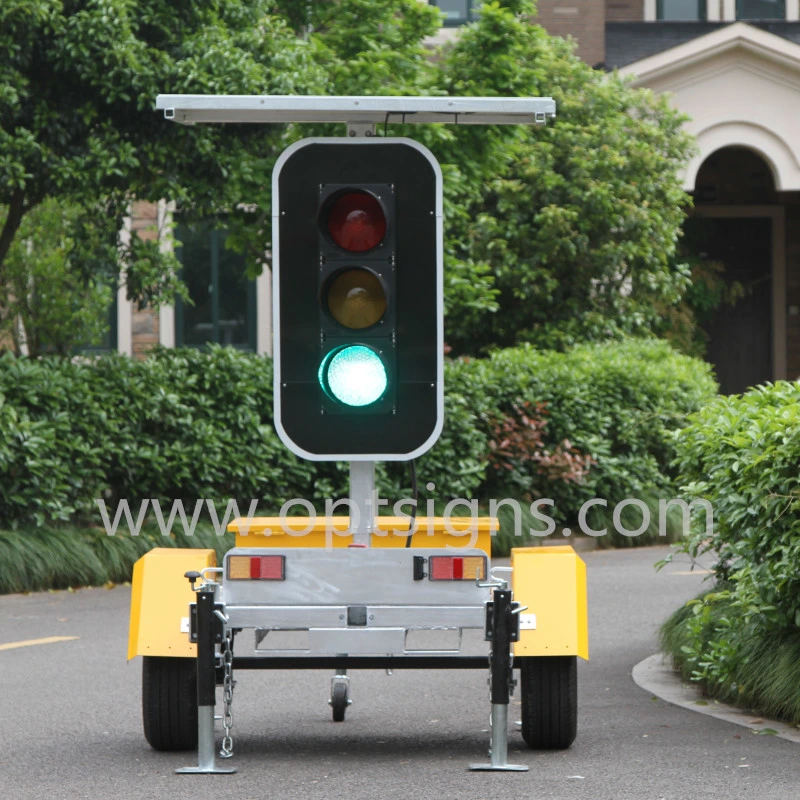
{"type": "Point", "coordinates": [357, 298]}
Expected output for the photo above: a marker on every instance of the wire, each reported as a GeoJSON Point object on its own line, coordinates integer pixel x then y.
{"type": "Point", "coordinates": [414, 491]}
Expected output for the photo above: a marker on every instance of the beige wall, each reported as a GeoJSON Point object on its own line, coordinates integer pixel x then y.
{"type": "Point", "coordinates": [740, 86]}
{"type": "Point", "coordinates": [584, 20]}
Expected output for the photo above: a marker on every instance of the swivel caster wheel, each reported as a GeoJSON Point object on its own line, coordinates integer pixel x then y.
{"type": "Point", "coordinates": [340, 690]}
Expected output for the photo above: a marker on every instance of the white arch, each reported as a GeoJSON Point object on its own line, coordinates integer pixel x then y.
{"type": "Point", "coordinates": [780, 158]}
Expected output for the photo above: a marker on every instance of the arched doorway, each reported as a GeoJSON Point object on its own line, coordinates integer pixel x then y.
{"type": "Point", "coordinates": [738, 222]}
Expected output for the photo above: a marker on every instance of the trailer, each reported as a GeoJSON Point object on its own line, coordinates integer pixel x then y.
{"type": "Point", "coordinates": [362, 591]}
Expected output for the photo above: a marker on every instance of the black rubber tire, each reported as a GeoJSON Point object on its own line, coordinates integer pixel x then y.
{"type": "Point", "coordinates": [549, 689]}
{"type": "Point", "coordinates": [339, 701]}
{"type": "Point", "coordinates": [169, 702]}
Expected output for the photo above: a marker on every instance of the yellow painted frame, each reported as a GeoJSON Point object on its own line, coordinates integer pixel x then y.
{"type": "Point", "coordinates": [160, 598]}
{"type": "Point", "coordinates": [551, 581]}
{"type": "Point", "coordinates": [432, 532]}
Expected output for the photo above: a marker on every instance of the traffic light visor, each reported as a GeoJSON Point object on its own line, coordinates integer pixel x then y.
{"type": "Point", "coordinates": [353, 375]}
{"type": "Point", "coordinates": [355, 221]}
{"type": "Point", "coordinates": [356, 298]}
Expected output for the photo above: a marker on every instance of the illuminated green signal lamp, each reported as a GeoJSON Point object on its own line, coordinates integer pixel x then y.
{"type": "Point", "coordinates": [353, 375]}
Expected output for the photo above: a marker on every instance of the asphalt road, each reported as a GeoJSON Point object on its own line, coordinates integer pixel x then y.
{"type": "Point", "coordinates": [71, 728]}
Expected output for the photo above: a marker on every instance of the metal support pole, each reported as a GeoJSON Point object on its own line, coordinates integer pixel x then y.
{"type": "Point", "coordinates": [362, 491]}
{"type": "Point", "coordinates": [500, 630]}
{"type": "Point", "coordinates": [206, 689]}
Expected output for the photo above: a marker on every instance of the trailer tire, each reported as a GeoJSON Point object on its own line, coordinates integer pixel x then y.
{"type": "Point", "coordinates": [549, 688]}
{"type": "Point", "coordinates": [169, 702]}
{"type": "Point", "coordinates": [339, 701]}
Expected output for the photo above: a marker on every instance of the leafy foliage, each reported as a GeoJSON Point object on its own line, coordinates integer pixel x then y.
{"type": "Point", "coordinates": [47, 303]}
{"type": "Point", "coordinates": [78, 82]}
{"type": "Point", "coordinates": [740, 453]}
{"type": "Point", "coordinates": [565, 232]}
{"type": "Point", "coordinates": [554, 235]}
{"type": "Point", "coordinates": [518, 439]}
{"type": "Point", "coordinates": [618, 403]}
{"type": "Point", "coordinates": [746, 664]}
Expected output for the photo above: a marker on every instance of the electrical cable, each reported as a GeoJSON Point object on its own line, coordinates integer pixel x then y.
{"type": "Point", "coordinates": [415, 493]}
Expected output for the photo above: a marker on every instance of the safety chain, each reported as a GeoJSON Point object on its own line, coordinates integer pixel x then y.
{"type": "Point", "coordinates": [226, 751]}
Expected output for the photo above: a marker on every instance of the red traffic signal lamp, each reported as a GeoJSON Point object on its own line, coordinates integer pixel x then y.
{"type": "Point", "coordinates": [355, 221]}
{"type": "Point", "coordinates": [357, 271]}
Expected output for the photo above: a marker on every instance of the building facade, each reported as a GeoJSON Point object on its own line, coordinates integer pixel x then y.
{"type": "Point", "coordinates": [733, 66]}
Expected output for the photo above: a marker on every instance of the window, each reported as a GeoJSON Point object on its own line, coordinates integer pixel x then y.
{"type": "Point", "coordinates": [458, 12]}
{"type": "Point", "coordinates": [760, 9]}
{"type": "Point", "coordinates": [109, 341]}
{"type": "Point", "coordinates": [224, 300]}
{"type": "Point", "coordinates": [680, 10]}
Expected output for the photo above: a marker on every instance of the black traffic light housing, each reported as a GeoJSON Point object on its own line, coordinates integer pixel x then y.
{"type": "Point", "coordinates": [357, 294]}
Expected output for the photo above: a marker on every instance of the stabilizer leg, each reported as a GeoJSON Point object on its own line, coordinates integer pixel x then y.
{"type": "Point", "coordinates": [206, 686]}
{"type": "Point", "coordinates": [502, 628]}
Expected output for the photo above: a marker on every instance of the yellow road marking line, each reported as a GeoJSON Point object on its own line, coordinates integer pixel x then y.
{"type": "Point", "coordinates": [31, 642]}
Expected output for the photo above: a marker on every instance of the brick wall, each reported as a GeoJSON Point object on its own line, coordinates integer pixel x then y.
{"type": "Point", "coordinates": [624, 10]}
{"type": "Point", "coordinates": [583, 20]}
{"type": "Point", "coordinates": [144, 323]}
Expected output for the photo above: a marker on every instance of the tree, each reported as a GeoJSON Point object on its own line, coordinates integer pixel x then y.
{"type": "Point", "coordinates": [574, 224]}
{"type": "Point", "coordinates": [553, 235]}
{"type": "Point", "coordinates": [48, 306]}
{"type": "Point", "coordinates": [369, 47]}
{"type": "Point", "coordinates": [78, 82]}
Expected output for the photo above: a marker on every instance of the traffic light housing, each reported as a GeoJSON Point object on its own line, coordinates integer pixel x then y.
{"type": "Point", "coordinates": [357, 299]}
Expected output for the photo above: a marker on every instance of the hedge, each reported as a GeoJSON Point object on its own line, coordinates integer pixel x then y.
{"type": "Point", "coordinates": [185, 424]}
{"type": "Point", "coordinates": [741, 639]}
{"type": "Point", "coordinates": [619, 403]}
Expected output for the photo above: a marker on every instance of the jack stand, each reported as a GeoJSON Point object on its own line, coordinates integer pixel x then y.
{"type": "Point", "coordinates": [207, 626]}
{"type": "Point", "coordinates": [502, 628]}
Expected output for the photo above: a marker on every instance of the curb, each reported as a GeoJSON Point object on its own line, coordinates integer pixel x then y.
{"type": "Point", "coordinates": [655, 675]}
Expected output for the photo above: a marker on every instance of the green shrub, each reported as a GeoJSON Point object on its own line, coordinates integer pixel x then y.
{"type": "Point", "coordinates": [48, 467]}
{"type": "Point", "coordinates": [186, 424]}
{"type": "Point", "coordinates": [741, 453]}
{"type": "Point", "coordinates": [744, 664]}
{"type": "Point", "coordinates": [44, 295]}
{"type": "Point", "coordinates": [618, 403]}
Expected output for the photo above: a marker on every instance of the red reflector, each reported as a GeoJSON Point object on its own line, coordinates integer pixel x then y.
{"type": "Point", "coordinates": [442, 568]}
{"type": "Point", "coordinates": [356, 222]}
{"type": "Point", "coordinates": [457, 568]}
{"type": "Point", "coordinates": [267, 568]}
{"type": "Point", "coordinates": [255, 568]}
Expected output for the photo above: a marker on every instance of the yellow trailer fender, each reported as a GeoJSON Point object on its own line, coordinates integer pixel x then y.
{"type": "Point", "coordinates": [160, 599]}
{"type": "Point", "coordinates": [551, 582]}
